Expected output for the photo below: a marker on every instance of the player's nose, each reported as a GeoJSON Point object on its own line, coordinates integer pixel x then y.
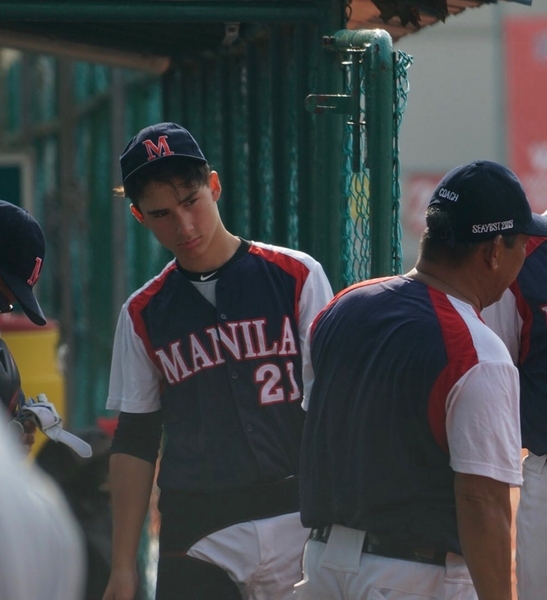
{"type": "Point", "coordinates": [183, 222]}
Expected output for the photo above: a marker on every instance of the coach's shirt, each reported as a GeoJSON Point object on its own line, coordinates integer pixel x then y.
{"type": "Point", "coordinates": [226, 375]}
{"type": "Point", "coordinates": [520, 319]}
{"type": "Point", "coordinates": [404, 385]}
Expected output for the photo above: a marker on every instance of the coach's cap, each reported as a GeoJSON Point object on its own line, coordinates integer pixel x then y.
{"type": "Point", "coordinates": [158, 142]}
{"type": "Point", "coordinates": [484, 199]}
{"type": "Point", "coordinates": [22, 249]}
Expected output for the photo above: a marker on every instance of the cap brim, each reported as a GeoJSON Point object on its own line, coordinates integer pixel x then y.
{"type": "Point", "coordinates": [537, 226]}
{"type": "Point", "coordinates": [25, 297]}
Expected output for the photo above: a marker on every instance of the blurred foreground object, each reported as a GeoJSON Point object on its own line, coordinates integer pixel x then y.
{"type": "Point", "coordinates": [42, 553]}
{"type": "Point", "coordinates": [85, 484]}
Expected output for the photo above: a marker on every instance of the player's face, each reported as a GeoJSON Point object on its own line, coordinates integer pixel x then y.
{"type": "Point", "coordinates": [185, 220]}
{"type": "Point", "coordinates": [510, 263]}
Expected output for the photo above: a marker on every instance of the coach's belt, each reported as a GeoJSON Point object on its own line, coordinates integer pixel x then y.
{"type": "Point", "coordinates": [390, 548]}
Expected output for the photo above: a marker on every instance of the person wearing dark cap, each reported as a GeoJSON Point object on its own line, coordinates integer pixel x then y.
{"type": "Point", "coordinates": [520, 319]}
{"type": "Point", "coordinates": [22, 250]}
{"type": "Point", "coordinates": [209, 352]}
{"type": "Point", "coordinates": [412, 439]}
{"type": "Point", "coordinates": [42, 553]}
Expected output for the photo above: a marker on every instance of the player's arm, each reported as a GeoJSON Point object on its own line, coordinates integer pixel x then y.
{"type": "Point", "coordinates": [483, 511]}
{"type": "Point", "coordinates": [131, 485]}
{"type": "Point", "coordinates": [132, 469]}
{"type": "Point", "coordinates": [483, 434]}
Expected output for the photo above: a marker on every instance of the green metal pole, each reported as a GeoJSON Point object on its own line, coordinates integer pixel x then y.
{"type": "Point", "coordinates": [379, 89]}
{"type": "Point", "coordinates": [327, 154]}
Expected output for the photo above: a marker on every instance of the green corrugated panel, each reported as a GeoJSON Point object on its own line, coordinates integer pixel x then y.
{"type": "Point", "coordinates": [13, 95]}
{"type": "Point", "coordinates": [90, 80]}
{"type": "Point", "coordinates": [46, 211]}
{"type": "Point", "coordinates": [99, 321]}
{"type": "Point", "coordinates": [211, 137]}
{"type": "Point", "coordinates": [236, 150]}
{"type": "Point", "coordinates": [44, 88]}
{"type": "Point", "coordinates": [260, 138]}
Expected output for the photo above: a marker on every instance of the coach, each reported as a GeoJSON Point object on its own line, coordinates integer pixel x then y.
{"type": "Point", "coordinates": [412, 436]}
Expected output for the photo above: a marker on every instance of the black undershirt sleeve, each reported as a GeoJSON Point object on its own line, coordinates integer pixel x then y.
{"type": "Point", "coordinates": [138, 434]}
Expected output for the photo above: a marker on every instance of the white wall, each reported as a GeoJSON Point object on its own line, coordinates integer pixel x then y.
{"type": "Point", "coordinates": [455, 110]}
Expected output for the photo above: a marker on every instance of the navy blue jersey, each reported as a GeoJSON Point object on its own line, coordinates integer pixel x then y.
{"type": "Point", "coordinates": [389, 357]}
{"type": "Point", "coordinates": [227, 377]}
{"type": "Point", "coordinates": [520, 318]}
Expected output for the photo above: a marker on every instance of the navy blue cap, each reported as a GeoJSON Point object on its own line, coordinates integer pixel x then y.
{"type": "Point", "coordinates": [484, 199]}
{"type": "Point", "coordinates": [158, 142]}
{"type": "Point", "coordinates": [22, 250]}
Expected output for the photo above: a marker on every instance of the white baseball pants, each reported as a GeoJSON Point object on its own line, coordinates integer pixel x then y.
{"type": "Point", "coordinates": [532, 530]}
{"type": "Point", "coordinates": [339, 570]}
{"type": "Point", "coordinates": [263, 557]}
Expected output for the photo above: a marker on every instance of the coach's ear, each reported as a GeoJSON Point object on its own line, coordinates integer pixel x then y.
{"type": "Point", "coordinates": [136, 213]}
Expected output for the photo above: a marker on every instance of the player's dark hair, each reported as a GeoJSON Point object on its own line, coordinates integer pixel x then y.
{"type": "Point", "coordinates": [192, 173]}
{"type": "Point", "coordinates": [437, 242]}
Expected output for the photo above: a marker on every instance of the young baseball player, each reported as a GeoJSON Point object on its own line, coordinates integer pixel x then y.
{"type": "Point", "coordinates": [412, 436]}
{"type": "Point", "coordinates": [209, 353]}
{"type": "Point", "coordinates": [520, 319]}
{"type": "Point", "coordinates": [41, 555]}
{"type": "Point", "coordinates": [22, 251]}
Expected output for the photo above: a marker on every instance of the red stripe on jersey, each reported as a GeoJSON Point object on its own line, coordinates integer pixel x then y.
{"type": "Point", "coordinates": [522, 306]}
{"type": "Point", "coordinates": [533, 243]}
{"type": "Point", "coordinates": [290, 265]}
{"type": "Point", "coordinates": [461, 356]}
{"type": "Point", "coordinates": [346, 291]}
{"type": "Point", "coordinates": [139, 303]}
{"type": "Point", "coordinates": [525, 313]}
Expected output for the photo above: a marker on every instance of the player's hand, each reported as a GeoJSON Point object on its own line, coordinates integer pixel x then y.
{"type": "Point", "coordinates": [122, 585]}
{"type": "Point", "coordinates": [27, 437]}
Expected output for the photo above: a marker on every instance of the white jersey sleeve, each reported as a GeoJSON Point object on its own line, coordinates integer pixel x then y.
{"type": "Point", "coordinates": [134, 379]}
{"type": "Point", "coordinates": [504, 319]}
{"type": "Point", "coordinates": [316, 294]}
{"type": "Point", "coordinates": [483, 423]}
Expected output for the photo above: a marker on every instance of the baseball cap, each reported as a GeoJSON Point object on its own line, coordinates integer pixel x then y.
{"type": "Point", "coordinates": [158, 142]}
{"type": "Point", "coordinates": [22, 249]}
{"type": "Point", "coordinates": [484, 199]}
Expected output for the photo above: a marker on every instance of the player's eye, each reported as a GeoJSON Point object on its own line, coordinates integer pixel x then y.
{"type": "Point", "coordinates": [190, 202]}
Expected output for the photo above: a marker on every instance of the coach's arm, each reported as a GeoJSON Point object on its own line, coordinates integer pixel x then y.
{"type": "Point", "coordinates": [483, 510]}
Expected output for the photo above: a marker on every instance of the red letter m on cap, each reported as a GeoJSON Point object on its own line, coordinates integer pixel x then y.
{"type": "Point", "coordinates": [35, 272]}
{"type": "Point", "coordinates": [162, 149]}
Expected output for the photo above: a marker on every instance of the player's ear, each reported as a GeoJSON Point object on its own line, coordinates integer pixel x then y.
{"type": "Point", "coordinates": [214, 184]}
{"type": "Point", "coordinates": [136, 213]}
{"type": "Point", "coordinates": [493, 252]}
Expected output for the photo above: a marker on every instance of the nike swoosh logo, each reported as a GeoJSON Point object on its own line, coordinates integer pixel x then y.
{"type": "Point", "coordinates": [206, 277]}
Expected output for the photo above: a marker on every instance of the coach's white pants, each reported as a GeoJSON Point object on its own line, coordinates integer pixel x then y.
{"type": "Point", "coordinates": [532, 530]}
{"type": "Point", "coordinates": [339, 570]}
{"type": "Point", "coordinates": [263, 557]}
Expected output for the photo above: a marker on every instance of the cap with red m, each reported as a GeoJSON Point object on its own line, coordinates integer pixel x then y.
{"type": "Point", "coordinates": [22, 250]}
{"type": "Point", "coordinates": [158, 142]}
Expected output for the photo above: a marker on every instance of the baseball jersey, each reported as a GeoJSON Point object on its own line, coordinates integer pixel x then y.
{"type": "Point", "coordinates": [520, 319]}
{"type": "Point", "coordinates": [226, 375]}
{"type": "Point", "coordinates": [405, 385]}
